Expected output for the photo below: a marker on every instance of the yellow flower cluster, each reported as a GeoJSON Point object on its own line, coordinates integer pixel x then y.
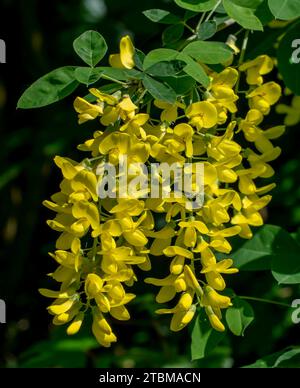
{"type": "Point", "coordinates": [102, 241]}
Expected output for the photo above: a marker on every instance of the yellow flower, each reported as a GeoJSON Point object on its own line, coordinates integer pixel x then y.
{"type": "Point", "coordinates": [75, 326]}
{"type": "Point", "coordinates": [87, 111]}
{"type": "Point", "coordinates": [170, 111]}
{"type": "Point", "coordinates": [202, 114]}
{"type": "Point", "coordinates": [117, 144]}
{"type": "Point", "coordinates": [249, 215]}
{"type": "Point", "coordinates": [213, 270]}
{"type": "Point", "coordinates": [256, 68]}
{"type": "Point", "coordinates": [134, 125]}
{"type": "Point", "coordinates": [183, 312]}
{"type": "Point", "coordinates": [101, 241]}
{"type": "Point", "coordinates": [221, 89]}
{"type": "Point", "coordinates": [292, 112]}
{"type": "Point", "coordinates": [126, 57]}
{"type": "Point", "coordinates": [93, 285]}
{"type": "Point", "coordinates": [213, 299]}
{"type": "Point", "coordinates": [214, 319]}
{"type": "Point", "coordinates": [263, 97]}
{"type": "Point", "coordinates": [191, 229]}
{"type": "Point", "coordinates": [102, 330]}
{"type": "Point", "coordinates": [185, 133]}
{"type": "Point", "coordinates": [124, 110]}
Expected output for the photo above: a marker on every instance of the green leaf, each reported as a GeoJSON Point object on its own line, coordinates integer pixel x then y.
{"type": "Point", "coordinates": [204, 337]}
{"type": "Point", "coordinates": [255, 254]}
{"type": "Point", "coordinates": [239, 316]}
{"type": "Point", "coordinates": [195, 70]}
{"type": "Point", "coordinates": [159, 55]}
{"type": "Point", "coordinates": [159, 90]}
{"type": "Point", "coordinates": [263, 13]}
{"type": "Point", "coordinates": [180, 84]}
{"type": "Point", "coordinates": [253, 4]}
{"type": "Point", "coordinates": [207, 30]}
{"type": "Point", "coordinates": [161, 16]}
{"type": "Point", "coordinates": [208, 52]}
{"type": "Point", "coordinates": [166, 69]}
{"type": "Point", "coordinates": [286, 260]}
{"type": "Point", "coordinates": [242, 15]}
{"type": "Point", "coordinates": [270, 248]}
{"type": "Point", "coordinates": [88, 75]}
{"type": "Point", "coordinates": [277, 359]}
{"type": "Point", "coordinates": [197, 5]}
{"type": "Point", "coordinates": [50, 88]}
{"type": "Point", "coordinates": [285, 9]}
{"type": "Point", "coordinates": [289, 59]}
{"type": "Point", "coordinates": [90, 47]}
{"type": "Point", "coordinates": [139, 58]}
{"type": "Point", "coordinates": [172, 34]}
{"type": "Point", "coordinates": [120, 74]}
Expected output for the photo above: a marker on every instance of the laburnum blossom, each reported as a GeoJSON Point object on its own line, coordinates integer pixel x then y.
{"type": "Point", "coordinates": [103, 241]}
{"type": "Point", "coordinates": [256, 68]}
{"type": "Point", "coordinates": [202, 115]}
{"type": "Point", "coordinates": [263, 97]}
{"type": "Point", "coordinates": [125, 59]}
{"type": "Point", "coordinates": [292, 112]}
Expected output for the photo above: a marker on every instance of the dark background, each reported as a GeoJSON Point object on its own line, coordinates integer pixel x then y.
{"type": "Point", "coordinates": [39, 36]}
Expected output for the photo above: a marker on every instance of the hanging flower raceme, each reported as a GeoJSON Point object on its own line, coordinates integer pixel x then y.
{"type": "Point", "coordinates": [103, 240]}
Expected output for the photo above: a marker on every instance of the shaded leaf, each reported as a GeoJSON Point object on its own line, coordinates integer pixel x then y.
{"type": "Point", "coordinates": [239, 316]}
{"type": "Point", "coordinates": [204, 337]}
{"type": "Point", "coordinates": [172, 34]}
{"type": "Point", "coordinates": [87, 75]}
{"type": "Point", "coordinates": [197, 5]}
{"type": "Point", "coordinates": [90, 47]}
{"type": "Point", "coordinates": [195, 70]}
{"type": "Point", "coordinates": [180, 84]}
{"type": "Point", "coordinates": [209, 52]}
{"type": "Point", "coordinates": [159, 55]}
{"type": "Point", "coordinates": [285, 9]}
{"type": "Point", "coordinates": [120, 74]}
{"type": "Point", "coordinates": [253, 4]}
{"type": "Point", "coordinates": [50, 88]}
{"type": "Point", "coordinates": [242, 15]}
{"type": "Point", "coordinates": [159, 90]}
{"type": "Point", "coordinates": [139, 58]}
{"type": "Point", "coordinates": [275, 360]}
{"type": "Point", "coordinates": [207, 30]}
{"type": "Point", "coordinates": [165, 69]}
{"type": "Point", "coordinates": [161, 16]}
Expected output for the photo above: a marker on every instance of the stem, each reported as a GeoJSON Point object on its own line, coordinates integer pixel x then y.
{"type": "Point", "coordinates": [226, 24]}
{"type": "Point", "coordinates": [239, 32]}
{"type": "Point", "coordinates": [244, 47]}
{"type": "Point", "coordinates": [188, 27]}
{"type": "Point", "coordinates": [113, 80]}
{"type": "Point", "coordinates": [200, 22]}
{"type": "Point", "coordinates": [213, 10]}
{"type": "Point", "coordinates": [264, 301]}
{"type": "Point", "coordinates": [141, 96]}
{"type": "Point", "coordinates": [94, 249]}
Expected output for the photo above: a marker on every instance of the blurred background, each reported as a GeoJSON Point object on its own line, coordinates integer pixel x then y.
{"type": "Point", "coordinates": [39, 36]}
